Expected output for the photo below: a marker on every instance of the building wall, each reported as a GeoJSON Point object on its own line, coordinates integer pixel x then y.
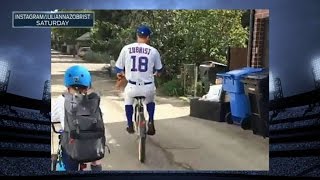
{"type": "Point", "coordinates": [258, 53]}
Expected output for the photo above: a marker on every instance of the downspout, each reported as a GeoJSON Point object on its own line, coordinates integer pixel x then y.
{"type": "Point", "coordinates": [250, 43]}
{"type": "Point", "coordinates": [228, 59]}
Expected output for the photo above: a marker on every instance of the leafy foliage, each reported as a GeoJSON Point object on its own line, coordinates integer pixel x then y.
{"type": "Point", "coordinates": [172, 88]}
{"type": "Point", "coordinates": [181, 36]}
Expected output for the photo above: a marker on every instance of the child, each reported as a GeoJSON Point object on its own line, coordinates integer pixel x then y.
{"type": "Point", "coordinates": [77, 80]}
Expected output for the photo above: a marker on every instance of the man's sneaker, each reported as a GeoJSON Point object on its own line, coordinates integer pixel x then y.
{"type": "Point", "coordinates": [151, 130]}
{"type": "Point", "coordinates": [130, 129]}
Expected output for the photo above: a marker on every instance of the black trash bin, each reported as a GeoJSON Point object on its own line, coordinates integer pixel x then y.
{"type": "Point", "coordinates": [208, 71]}
{"type": "Point", "coordinates": [257, 89]}
{"type": "Point", "coordinates": [210, 110]}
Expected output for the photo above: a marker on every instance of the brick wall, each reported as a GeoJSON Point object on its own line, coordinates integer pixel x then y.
{"type": "Point", "coordinates": [258, 37]}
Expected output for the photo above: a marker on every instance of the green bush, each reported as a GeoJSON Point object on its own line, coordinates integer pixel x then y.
{"type": "Point", "coordinates": [172, 88]}
{"type": "Point", "coordinates": [160, 81]}
{"type": "Point", "coordinates": [97, 57]}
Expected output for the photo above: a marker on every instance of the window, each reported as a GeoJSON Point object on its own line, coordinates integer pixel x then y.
{"type": "Point", "coordinates": [3, 71]}
{"type": "Point", "coordinates": [316, 69]}
{"type": "Point", "coordinates": [271, 83]}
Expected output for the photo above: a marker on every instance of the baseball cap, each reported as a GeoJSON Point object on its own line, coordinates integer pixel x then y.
{"type": "Point", "coordinates": [144, 30]}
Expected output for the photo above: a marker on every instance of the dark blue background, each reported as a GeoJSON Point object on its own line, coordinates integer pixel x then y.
{"type": "Point", "coordinates": [294, 38]}
{"type": "Point", "coordinates": [83, 23]}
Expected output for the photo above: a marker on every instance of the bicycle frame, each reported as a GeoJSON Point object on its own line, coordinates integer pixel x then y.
{"type": "Point", "coordinates": [57, 163]}
{"type": "Point", "coordinates": [140, 123]}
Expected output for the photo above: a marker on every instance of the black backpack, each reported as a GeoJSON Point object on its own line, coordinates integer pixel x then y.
{"type": "Point", "coordinates": [83, 138]}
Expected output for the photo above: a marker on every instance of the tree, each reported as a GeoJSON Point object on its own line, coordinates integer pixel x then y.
{"type": "Point", "coordinates": [245, 20]}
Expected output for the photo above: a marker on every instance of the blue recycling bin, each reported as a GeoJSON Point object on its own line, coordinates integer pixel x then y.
{"type": "Point", "coordinates": [239, 102]}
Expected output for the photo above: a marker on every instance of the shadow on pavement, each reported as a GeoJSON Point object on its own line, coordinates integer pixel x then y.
{"type": "Point", "coordinates": [187, 143]}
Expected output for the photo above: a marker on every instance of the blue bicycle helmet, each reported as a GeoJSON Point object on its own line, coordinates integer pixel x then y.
{"type": "Point", "coordinates": [77, 76]}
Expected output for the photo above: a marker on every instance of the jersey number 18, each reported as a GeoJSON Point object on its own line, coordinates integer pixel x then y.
{"type": "Point", "coordinates": [142, 64]}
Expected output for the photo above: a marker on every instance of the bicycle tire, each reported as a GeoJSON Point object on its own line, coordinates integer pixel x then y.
{"type": "Point", "coordinates": [142, 138]}
{"type": "Point", "coordinates": [142, 149]}
{"type": "Point", "coordinates": [136, 120]}
{"type": "Point", "coordinates": [54, 159]}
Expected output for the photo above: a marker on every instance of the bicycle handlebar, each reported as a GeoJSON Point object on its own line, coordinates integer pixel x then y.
{"type": "Point", "coordinates": [54, 129]}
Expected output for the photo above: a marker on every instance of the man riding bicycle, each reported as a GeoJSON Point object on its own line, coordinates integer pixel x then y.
{"type": "Point", "coordinates": [139, 63]}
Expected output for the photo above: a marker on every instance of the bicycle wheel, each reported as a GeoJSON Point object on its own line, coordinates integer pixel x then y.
{"type": "Point", "coordinates": [54, 158]}
{"type": "Point", "coordinates": [59, 165]}
{"type": "Point", "coordinates": [142, 149]}
{"type": "Point", "coordinates": [142, 137]}
{"type": "Point", "coordinates": [136, 118]}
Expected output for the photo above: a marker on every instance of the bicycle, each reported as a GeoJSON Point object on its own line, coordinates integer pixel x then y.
{"type": "Point", "coordinates": [140, 126]}
{"type": "Point", "coordinates": [57, 161]}
{"type": "Point", "coordinates": [140, 123]}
